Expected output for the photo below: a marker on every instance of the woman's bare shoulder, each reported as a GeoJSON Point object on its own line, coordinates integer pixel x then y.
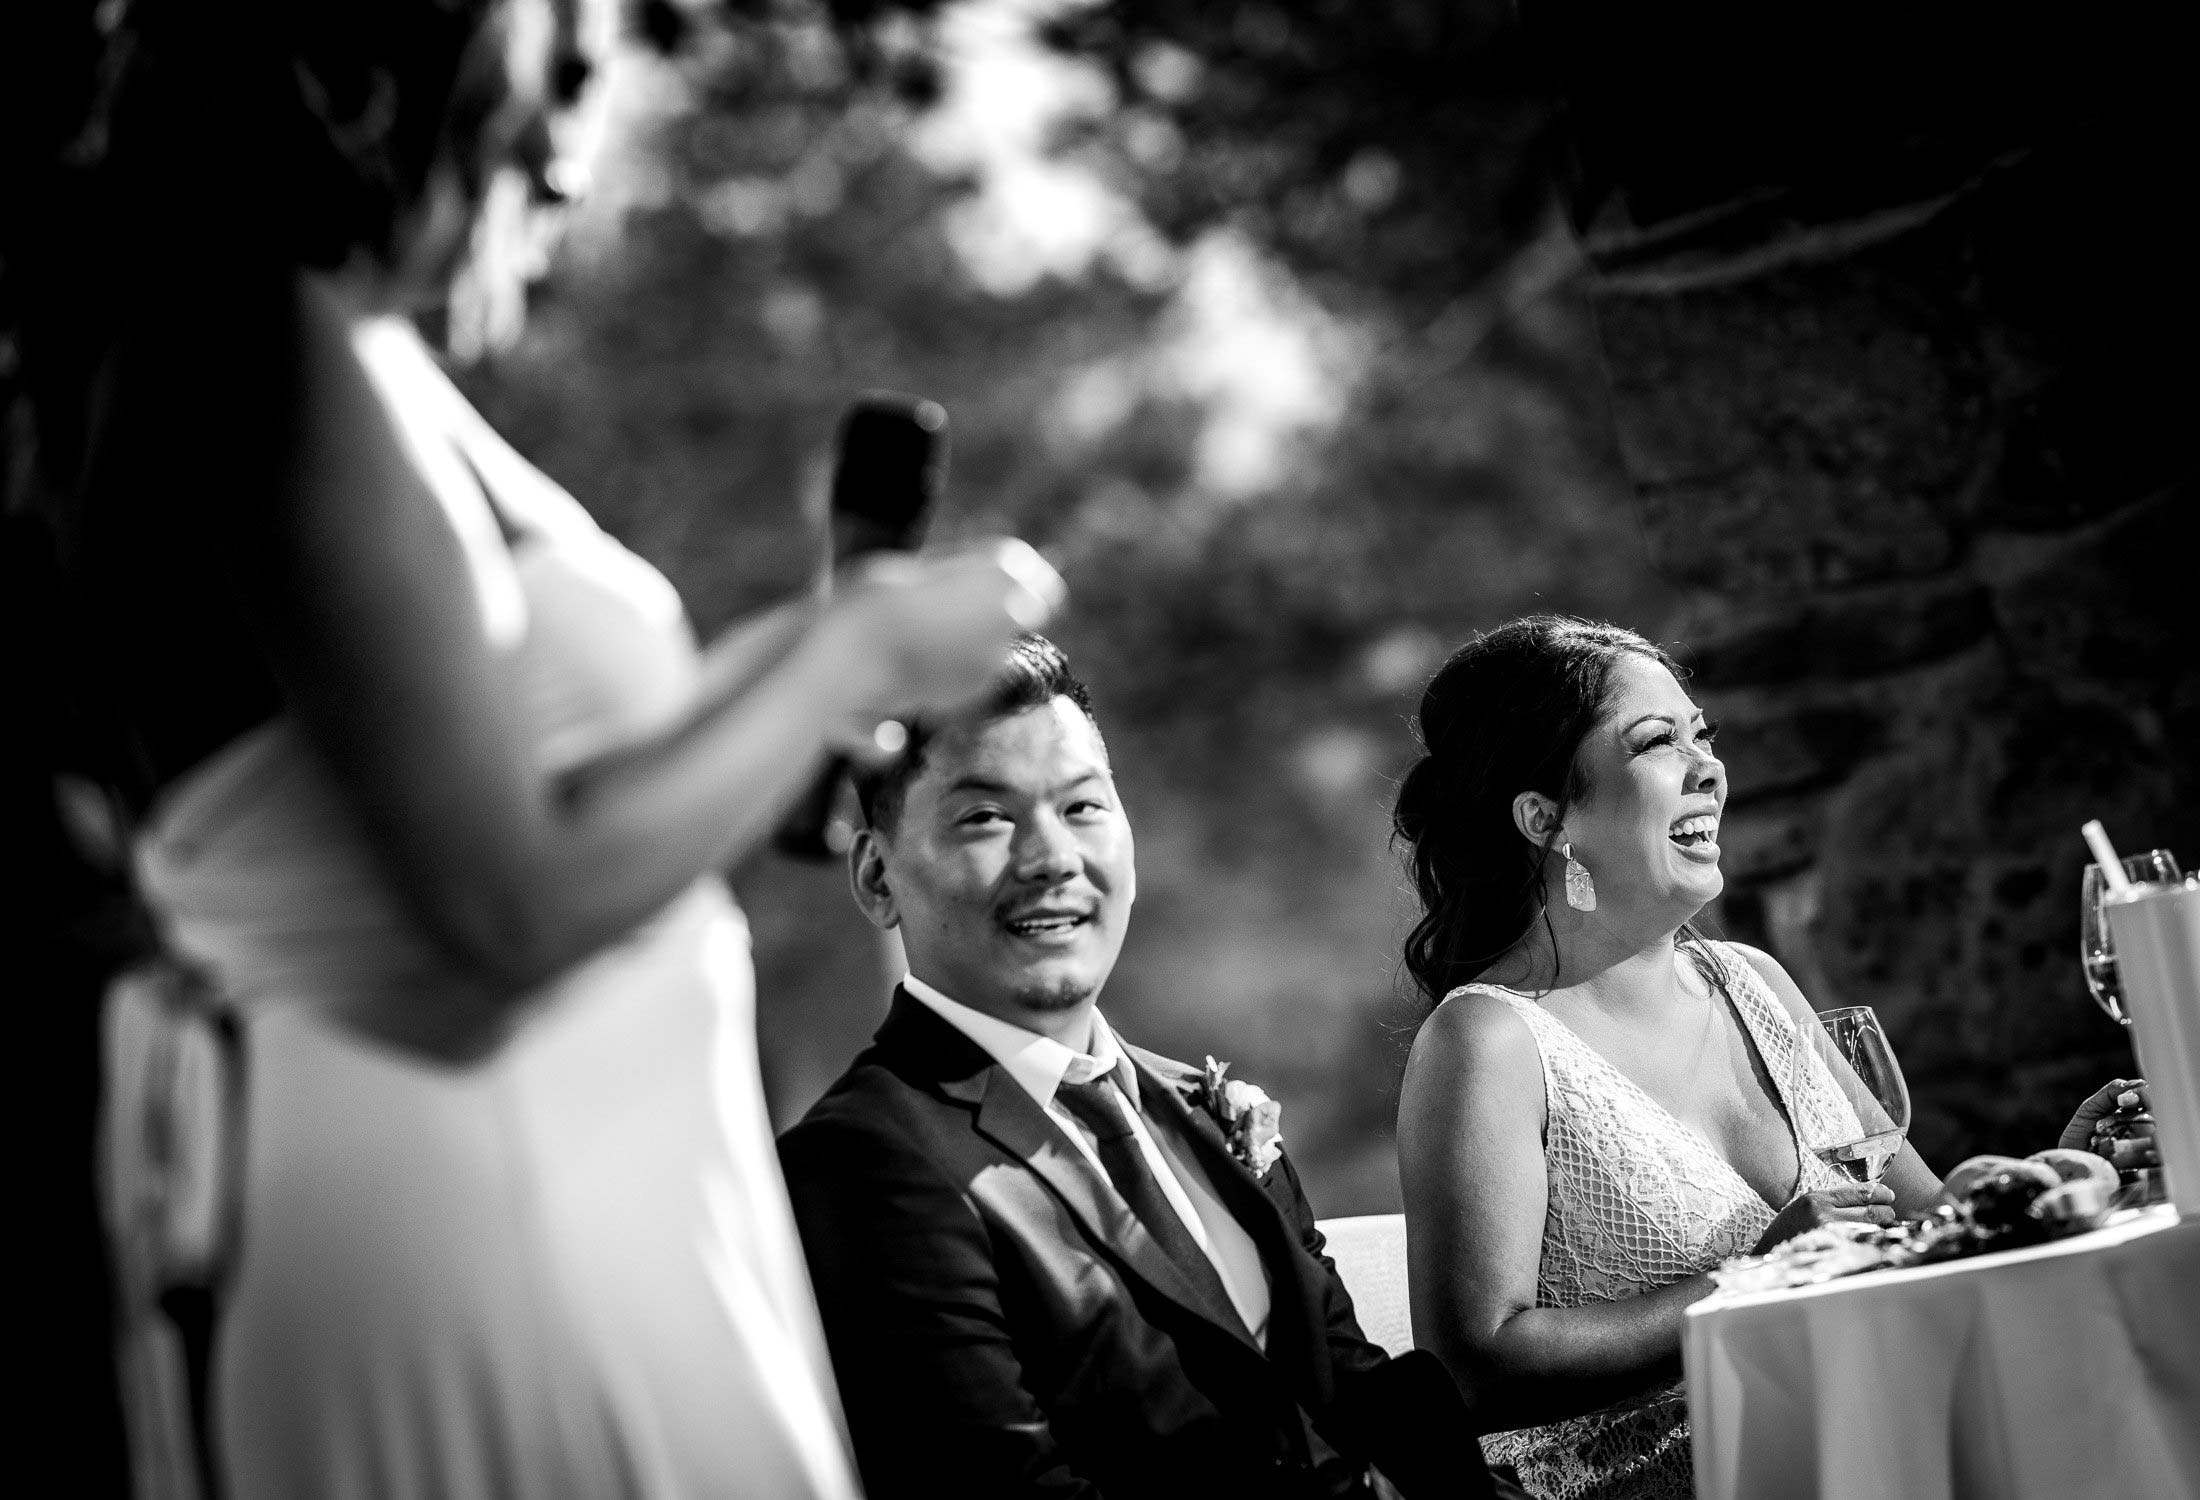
{"type": "Point", "coordinates": [1475, 1074]}
{"type": "Point", "coordinates": [1473, 1035]}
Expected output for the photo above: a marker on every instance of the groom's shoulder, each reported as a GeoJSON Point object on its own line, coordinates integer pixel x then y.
{"type": "Point", "coordinates": [875, 1096]}
{"type": "Point", "coordinates": [911, 1067]}
{"type": "Point", "coordinates": [871, 1127]}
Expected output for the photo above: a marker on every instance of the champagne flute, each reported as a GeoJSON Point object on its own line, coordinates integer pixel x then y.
{"type": "Point", "coordinates": [1855, 1050]}
{"type": "Point", "coordinates": [2096, 952]}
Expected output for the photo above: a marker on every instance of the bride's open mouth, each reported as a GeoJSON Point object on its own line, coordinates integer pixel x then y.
{"type": "Point", "coordinates": [1698, 832]}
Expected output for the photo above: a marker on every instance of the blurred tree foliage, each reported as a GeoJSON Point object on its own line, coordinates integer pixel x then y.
{"type": "Point", "coordinates": [1258, 590]}
{"type": "Point", "coordinates": [1403, 147]}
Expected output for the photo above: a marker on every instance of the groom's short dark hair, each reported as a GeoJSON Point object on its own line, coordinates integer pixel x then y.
{"type": "Point", "coordinates": [1034, 675]}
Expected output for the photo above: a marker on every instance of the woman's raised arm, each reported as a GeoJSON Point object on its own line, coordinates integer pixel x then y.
{"type": "Point", "coordinates": [380, 631]}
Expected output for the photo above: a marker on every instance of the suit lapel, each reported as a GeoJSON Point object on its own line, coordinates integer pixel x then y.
{"type": "Point", "coordinates": [1296, 1314]}
{"type": "Point", "coordinates": [919, 1043]}
{"type": "Point", "coordinates": [1013, 1121]}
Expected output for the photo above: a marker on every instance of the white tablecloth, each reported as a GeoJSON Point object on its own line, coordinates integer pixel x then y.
{"type": "Point", "coordinates": [2055, 1373]}
{"type": "Point", "coordinates": [1369, 1251]}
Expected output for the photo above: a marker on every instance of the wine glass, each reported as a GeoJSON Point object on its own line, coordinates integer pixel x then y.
{"type": "Point", "coordinates": [1856, 1052]}
{"type": "Point", "coordinates": [2095, 951]}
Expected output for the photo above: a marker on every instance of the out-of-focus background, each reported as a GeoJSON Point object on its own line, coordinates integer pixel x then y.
{"type": "Point", "coordinates": [1308, 340]}
{"type": "Point", "coordinates": [1850, 349]}
{"type": "Point", "coordinates": [1284, 467]}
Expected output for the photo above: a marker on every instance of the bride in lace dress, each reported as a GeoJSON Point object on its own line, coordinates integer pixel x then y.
{"type": "Point", "coordinates": [1603, 1105]}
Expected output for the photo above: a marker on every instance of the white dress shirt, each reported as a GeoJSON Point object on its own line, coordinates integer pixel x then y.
{"type": "Point", "coordinates": [1040, 1064]}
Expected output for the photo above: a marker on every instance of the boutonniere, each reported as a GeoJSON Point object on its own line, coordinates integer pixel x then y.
{"type": "Point", "coordinates": [1248, 1117]}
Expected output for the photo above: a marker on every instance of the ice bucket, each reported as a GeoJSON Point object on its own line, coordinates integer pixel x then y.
{"type": "Point", "coordinates": [2157, 934]}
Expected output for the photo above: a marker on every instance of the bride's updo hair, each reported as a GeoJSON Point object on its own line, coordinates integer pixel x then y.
{"type": "Point", "coordinates": [1505, 715]}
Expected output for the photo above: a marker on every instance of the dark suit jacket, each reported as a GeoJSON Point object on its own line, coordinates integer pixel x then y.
{"type": "Point", "coordinates": [1002, 1324]}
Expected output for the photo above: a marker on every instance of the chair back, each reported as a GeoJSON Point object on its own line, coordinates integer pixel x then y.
{"type": "Point", "coordinates": [1370, 1252]}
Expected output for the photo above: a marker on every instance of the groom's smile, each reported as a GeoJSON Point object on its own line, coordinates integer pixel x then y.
{"type": "Point", "coordinates": [1047, 925]}
{"type": "Point", "coordinates": [1008, 867]}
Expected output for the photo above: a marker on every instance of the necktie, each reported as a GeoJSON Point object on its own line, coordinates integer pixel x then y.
{"type": "Point", "coordinates": [1102, 1108]}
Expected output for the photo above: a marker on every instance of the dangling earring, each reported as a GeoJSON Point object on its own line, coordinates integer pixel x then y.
{"type": "Point", "coordinates": [1581, 891]}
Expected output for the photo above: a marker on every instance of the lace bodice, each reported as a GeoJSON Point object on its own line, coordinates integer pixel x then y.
{"type": "Point", "coordinates": [1637, 1201]}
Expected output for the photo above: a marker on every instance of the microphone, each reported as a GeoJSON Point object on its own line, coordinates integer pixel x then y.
{"type": "Point", "coordinates": [888, 472]}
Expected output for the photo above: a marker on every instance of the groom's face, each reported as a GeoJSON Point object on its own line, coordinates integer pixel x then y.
{"type": "Point", "coordinates": [1008, 868]}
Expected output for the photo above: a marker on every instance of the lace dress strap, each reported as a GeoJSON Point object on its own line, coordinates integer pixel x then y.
{"type": "Point", "coordinates": [1551, 1036]}
{"type": "Point", "coordinates": [1820, 1114]}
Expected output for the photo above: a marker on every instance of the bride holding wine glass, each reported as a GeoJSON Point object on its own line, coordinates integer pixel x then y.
{"type": "Point", "coordinates": [1603, 1104]}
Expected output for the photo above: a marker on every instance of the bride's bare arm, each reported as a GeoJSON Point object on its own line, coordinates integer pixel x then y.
{"type": "Point", "coordinates": [1470, 1156]}
{"type": "Point", "coordinates": [373, 622]}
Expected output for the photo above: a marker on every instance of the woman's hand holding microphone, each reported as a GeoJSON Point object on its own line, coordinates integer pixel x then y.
{"type": "Point", "coordinates": [927, 634]}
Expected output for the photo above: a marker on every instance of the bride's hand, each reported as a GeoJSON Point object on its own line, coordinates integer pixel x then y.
{"type": "Point", "coordinates": [2114, 1123]}
{"type": "Point", "coordinates": [1850, 1203]}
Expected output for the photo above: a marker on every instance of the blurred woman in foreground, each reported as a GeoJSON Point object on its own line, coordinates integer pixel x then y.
{"type": "Point", "coordinates": [1604, 1104]}
{"type": "Point", "coordinates": [432, 788]}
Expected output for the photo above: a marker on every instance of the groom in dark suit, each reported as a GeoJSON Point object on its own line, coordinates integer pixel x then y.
{"type": "Point", "coordinates": [1050, 1263]}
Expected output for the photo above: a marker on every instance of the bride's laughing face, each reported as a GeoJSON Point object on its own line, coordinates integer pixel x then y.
{"type": "Point", "coordinates": [1648, 830]}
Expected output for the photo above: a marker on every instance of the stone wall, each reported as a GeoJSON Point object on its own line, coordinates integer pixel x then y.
{"type": "Point", "coordinates": [1925, 465]}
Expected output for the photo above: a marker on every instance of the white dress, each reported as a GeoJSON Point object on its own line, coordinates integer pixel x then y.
{"type": "Point", "coordinates": [1637, 1201]}
{"type": "Point", "coordinates": [565, 1269]}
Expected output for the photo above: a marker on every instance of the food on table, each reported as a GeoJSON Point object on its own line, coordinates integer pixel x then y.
{"type": "Point", "coordinates": [1813, 1256]}
{"type": "Point", "coordinates": [2000, 1203]}
{"type": "Point", "coordinates": [1957, 1187]}
{"type": "Point", "coordinates": [2076, 1166]}
{"type": "Point", "coordinates": [2050, 1193]}
{"type": "Point", "coordinates": [1989, 1203]}
{"type": "Point", "coordinates": [2077, 1205]}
